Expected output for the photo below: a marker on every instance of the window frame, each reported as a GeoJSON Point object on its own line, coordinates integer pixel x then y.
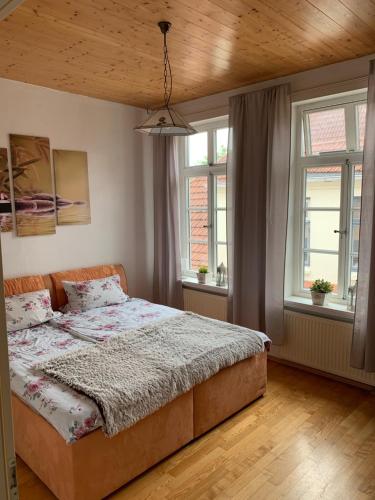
{"type": "Point", "coordinates": [347, 160]}
{"type": "Point", "coordinates": [212, 170]}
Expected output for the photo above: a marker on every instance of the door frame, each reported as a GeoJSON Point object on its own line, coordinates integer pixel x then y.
{"type": "Point", "coordinates": [8, 477]}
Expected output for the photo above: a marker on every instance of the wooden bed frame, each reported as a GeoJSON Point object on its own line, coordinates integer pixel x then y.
{"type": "Point", "coordinates": [95, 466]}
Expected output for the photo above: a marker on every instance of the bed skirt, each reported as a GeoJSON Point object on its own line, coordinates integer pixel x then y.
{"type": "Point", "coordinates": [95, 466]}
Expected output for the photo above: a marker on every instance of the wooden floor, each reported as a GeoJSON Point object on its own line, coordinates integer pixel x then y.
{"type": "Point", "coordinates": [307, 438]}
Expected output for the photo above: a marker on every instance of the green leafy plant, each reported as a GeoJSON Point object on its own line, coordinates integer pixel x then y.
{"type": "Point", "coordinates": [321, 286]}
{"type": "Point", "coordinates": [203, 270]}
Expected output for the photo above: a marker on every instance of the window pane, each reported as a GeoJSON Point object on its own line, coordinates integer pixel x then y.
{"type": "Point", "coordinates": [321, 266]}
{"type": "Point", "coordinates": [357, 186]}
{"type": "Point", "coordinates": [221, 225]}
{"type": "Point", "coordinates": [199, 255]}
{"type": "Point", "coordinates": [323, 187]}
{"type": "Point", "coordinates": [361, 124]}
{"type": "Point", "coordinates": [355, 223]}
{"type": "Point", "coordinates": [307, 239]}
{"type": "Point", "coordinates": [356, 208]}
{"type": "Point", "coordinates": [319, 230]}
{"type": "Point", "coordinates": [327, 130]}
{"type": "Point", "coordinates": [353, 270]}
{"type": "Point", "coordinates": [198, 192]}
{"type": "Point", "coordinates": [222, 255]}
{"type": "Point", "coordinates": [355, 231]}
{"type": "Point", "coordinates": [198, 220]}
{"type": "Point", "coordinates": [221, 145]}
{"type": "Point", "coordinates": [197, 149]}
{"type": "Point", "coordinates": [221, 191]}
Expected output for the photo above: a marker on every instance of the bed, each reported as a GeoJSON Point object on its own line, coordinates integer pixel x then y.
{"type": "Point", "coordinates": [84, 463]}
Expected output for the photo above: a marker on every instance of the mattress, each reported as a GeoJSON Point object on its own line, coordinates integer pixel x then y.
{"type": "Point", "coordinates": [104, 322]}
{"type": "Point", "coordinates": [72, 414]}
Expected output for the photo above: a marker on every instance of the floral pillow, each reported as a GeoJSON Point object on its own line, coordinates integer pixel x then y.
{"type": "Point", "coordinates": [85, 295]}
{"type": "Point", "coordinates": [28, 309]}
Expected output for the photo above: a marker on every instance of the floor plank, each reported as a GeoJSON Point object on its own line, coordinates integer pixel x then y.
{"type": "Point", "coordinates": [307, 438]}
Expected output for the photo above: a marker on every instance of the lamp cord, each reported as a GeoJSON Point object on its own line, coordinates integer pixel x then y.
{"type": "Point", "coordinates": [167, 69]}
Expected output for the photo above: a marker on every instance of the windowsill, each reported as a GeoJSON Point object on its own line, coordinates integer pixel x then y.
{"type": "Point", "coordinates": [330, 310]}
{"type": "Point", "coordinates": [211, 287]}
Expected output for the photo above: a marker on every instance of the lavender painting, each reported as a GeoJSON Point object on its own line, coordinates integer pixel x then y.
{"type": "Point", "coordinates": [6, 220]}
{"type": "Point", "coordinates": [72, 187]}
{"type": "Point", "coordinates": [32, 185]}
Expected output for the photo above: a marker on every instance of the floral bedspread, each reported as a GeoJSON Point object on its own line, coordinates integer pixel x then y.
{"type": "Point", "coordinates": [103, 322]}
{"type": "Point", "coordinates": [72, 414]}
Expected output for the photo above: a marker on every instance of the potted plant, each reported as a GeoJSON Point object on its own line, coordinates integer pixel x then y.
{"type": "Point", "coordinates": [202, 274]}
{"type": "Point", "coordinates": [319, 289]}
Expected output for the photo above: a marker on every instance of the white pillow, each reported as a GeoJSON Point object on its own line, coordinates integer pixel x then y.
{"type": "Point", "coordinates": [28, 309]}
{"type": "Point", "coordinates": [84, 295]}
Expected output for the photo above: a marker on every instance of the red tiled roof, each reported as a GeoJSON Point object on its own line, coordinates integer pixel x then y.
{"type": "Point", "coordinates": [197, 222]}
{"type": "Point", "coordinates": [324, 170]}
{"type": "Point", "coordinates": [308, 283]}
{"type": "Point", "coordinates": [199, 255]}
{"type": "Point", "coordinates": [198, 199]}
{"type": "Point", "coordinates": [327, 170]}
{"type": "Point", "coordinates": [327, 130]}
{"type": "Point", "coordinates": [198, 193]}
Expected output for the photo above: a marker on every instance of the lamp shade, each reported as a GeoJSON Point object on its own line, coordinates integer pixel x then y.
{"type": "Point", "coordinates": [165, 121]}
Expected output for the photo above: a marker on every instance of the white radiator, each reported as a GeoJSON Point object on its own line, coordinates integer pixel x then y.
{"type": "Point", "coordinates": [319, 343]}
{"type": "Point", "coordinates": [206, 304]}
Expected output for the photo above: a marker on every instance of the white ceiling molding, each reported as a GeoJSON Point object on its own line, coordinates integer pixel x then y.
{"type": "Point", "coordinates": [327, 91]}
{"type": "Point", "coordinates": [7, 7]}
{"type": "Point", "coordinates": [332, 79]}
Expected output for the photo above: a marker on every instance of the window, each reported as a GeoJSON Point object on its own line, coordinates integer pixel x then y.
{"type": "Point", "coordinates": [306, 257]}
{"type": "Point", "coordinates": [203, 161]}
{"type": "Point", "coordinates": [327, 188]}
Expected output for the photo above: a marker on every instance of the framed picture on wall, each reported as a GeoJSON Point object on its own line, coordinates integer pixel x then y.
{"type": "Point", "coordinates": [72, 187]}
{"type": "Point", "coordinates": [6, 218]}
{"type": "Point", "coordinates": [32, 185]}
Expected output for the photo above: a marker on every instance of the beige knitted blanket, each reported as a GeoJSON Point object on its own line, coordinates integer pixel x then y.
{"type": "Point", "coordinates": [137, 372]}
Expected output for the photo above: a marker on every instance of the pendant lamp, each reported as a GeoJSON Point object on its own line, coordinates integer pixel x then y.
{"type": "Point", "coordinates": [165, 120]}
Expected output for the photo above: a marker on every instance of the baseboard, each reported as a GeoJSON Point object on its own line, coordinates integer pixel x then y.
{"type": "Point", "coordinates": [321, 373]}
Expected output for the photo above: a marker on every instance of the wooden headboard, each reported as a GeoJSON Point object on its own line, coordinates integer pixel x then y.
{"type": "Point", "coordinates": [53, 281]}
{"type": "Point", "coordinates": [81, 274]}
{"type": "Point", "coordinates": [24, 284]}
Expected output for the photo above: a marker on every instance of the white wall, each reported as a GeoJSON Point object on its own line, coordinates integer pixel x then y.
{"type": "Point", "coordinates": [341, 77]}
{"type": "Point", "coordinates": [120, 177]}
{"type": "Point", "coordinates": [328, 80]}
{"type": "Point", "coordinates": [318, 343]}
{"type": "Point", "coordinates": [120, 166]}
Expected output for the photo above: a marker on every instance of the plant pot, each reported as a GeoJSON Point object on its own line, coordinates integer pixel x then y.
{"type": "Point", "coordinates": [203, 278]}
{"type": "Point", "coordinates": [318, 298]}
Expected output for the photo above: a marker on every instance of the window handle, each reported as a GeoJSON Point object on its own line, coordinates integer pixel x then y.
{"type": "Point", "coordinates": [208, 225]}
{"type": "Point", "coordinates": [339, 232]}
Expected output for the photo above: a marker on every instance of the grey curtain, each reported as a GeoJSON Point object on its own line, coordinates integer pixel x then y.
{"type": "Point", "coordinates": [363, 344]}
{"type": "Point", "coordinates": [167, 255]}
{"type": "Point", "coordinates": [258, 186]}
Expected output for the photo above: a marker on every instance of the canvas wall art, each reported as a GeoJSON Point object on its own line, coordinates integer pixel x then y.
{"type": "Point", "coordinates": [6, 219]}
{"type": "Point", "coordinates": [72, 187]}
{"type": "Point", "coordinates": [32, 185]}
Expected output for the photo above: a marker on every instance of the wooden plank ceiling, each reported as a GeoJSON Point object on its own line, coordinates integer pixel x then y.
{"type": "Point", "coordinates": [112, 49]}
